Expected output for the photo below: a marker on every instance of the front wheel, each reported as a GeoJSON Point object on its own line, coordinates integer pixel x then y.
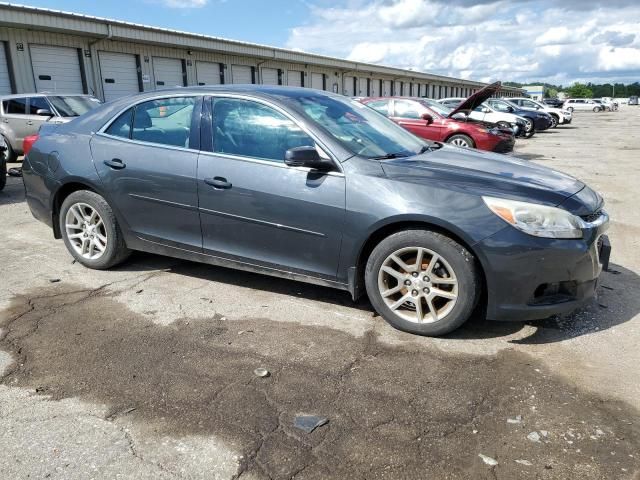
{"type": "Point", "coordinates": [422, 282]}
{"type": "Point", "coordinates": [91, 232]}
{"type": "Point", "coordinates": [596, 109]}
{"type": "Point", "coordinates": [554, 121]}
{"type": "Point", "coordinates": [461, 140]}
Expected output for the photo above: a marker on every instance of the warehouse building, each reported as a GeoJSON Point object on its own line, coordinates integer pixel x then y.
{"type": "Point", "coordinates": [44, 50]}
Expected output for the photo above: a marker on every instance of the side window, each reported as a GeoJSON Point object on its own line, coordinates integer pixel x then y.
{"type": "Point", "coordinates": [501, 107]}
{"type": "Point", "coordinates": [381, 106]}
{"type": "Point", "coordinates": [406, 109]}
{"type": "Point", "coordinates": [37, 103]}
{"type": "Point", "coordinates": [16, 106]}
{"type": "Point", "coordinates": [166, 121]}
{"type": "Point", "coordinates": [121, 127]}
{"type": "Point", "coordinates": [251, 129]}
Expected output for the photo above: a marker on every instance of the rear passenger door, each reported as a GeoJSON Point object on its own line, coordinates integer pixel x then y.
{"type": "Point", "coordinates": [147, 159]}
{"type": "Point", "coordinates": [15, 121]}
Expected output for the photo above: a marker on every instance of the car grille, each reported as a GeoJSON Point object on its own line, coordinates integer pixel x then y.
{"type": "Point", "coordinates": [592, 217]}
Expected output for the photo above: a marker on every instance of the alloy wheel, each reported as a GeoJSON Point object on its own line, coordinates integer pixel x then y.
{"type": "Point", "coordinates": [86, 231]}
{"type": "Point", "coordinates": [528, 125]}
{"type": "Point", "coordinates": [460, 142]}
{"type": "Point", "coordinates": [418, 285]}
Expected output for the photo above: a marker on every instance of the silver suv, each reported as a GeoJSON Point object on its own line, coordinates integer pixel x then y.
{"type": "Point", "coordinates": [21, 115]}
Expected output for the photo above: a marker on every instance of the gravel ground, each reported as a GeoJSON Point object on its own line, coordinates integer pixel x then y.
{"type": "Point", "coordinates": [147, 371]}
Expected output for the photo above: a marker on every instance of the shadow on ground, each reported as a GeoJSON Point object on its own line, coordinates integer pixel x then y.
{"type": "Point", "coordinates": [394, 412]}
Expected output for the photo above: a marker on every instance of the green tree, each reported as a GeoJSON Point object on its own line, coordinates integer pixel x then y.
{"type": "Point", "coordinates": [579, 90]}
{"type": "Point", "coordinates": [550, 93]}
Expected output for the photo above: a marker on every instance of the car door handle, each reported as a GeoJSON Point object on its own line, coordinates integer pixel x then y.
{"type": "Point", "coordinates": [29, 122]}
{"type": "Point", "coordinates": [218, 182]}
{"type": "Point", "coordinates": [115, 163]}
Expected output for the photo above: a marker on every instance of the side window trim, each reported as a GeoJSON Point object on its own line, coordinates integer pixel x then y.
{"type": "Point", "coordinates": [193, 136]}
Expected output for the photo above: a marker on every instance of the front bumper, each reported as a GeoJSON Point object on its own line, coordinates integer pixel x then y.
{"type": "Point", "coordinates": [504, 145]}
{"type": "Point", "coordinates": [532, 278]}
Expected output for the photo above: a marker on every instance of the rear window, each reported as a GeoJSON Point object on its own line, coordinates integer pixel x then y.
{"type": "Point", "coordinates": [15, 106]}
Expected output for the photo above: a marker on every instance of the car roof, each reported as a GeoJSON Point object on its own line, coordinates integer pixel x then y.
{"type": "Point", "coordinates": [43, 94]}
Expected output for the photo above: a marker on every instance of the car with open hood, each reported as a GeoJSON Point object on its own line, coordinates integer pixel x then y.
{"type": "Point", "coordinates": [313, 186]}
{"type": "Point", "coordinates": [430, 120]}
{"type": "Point", "coordinates": [536, 120]}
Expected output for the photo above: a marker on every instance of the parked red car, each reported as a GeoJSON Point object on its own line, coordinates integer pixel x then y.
{"type": "Point", "coordinates": [433, 121]}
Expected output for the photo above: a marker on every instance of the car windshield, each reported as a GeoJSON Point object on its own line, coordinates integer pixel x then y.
{"type": "Point", "coordinates": [437, 107]}
{"type": "Point", "coordinates": [360, 129]}
{"type": "Point", "coordinates": [73, 106]}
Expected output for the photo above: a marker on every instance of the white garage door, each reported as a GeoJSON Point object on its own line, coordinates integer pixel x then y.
{"type": "Point", "coordinates": [294, 78]}
{"type": "Point", "coordinates": [317, 81]}
{"type": "Point", "coordinates": [362, 87]}
{"type": "Point", "coordinates": [386, 88]}
{"type": "Point", "coordinates": [375, 87]}
{"type": "Point", "coordinates": [241, 74]}
{"type": "Point", "coordinates": [167, 72]}
{"type": "Point", "coordinates": [348, 86]}
{"type": "Point", "coordinates": [270, 76]}
{"type": "Point", "coordinates": [56, 69]}
{"type": "Point", "coordinates": [119, 72]}
{"type": "Point", "coordinates": [406, 86]}
{"type": "Point", "coordinates": [208, 73]}
{"type": "Point", "coordinates": [5, 82]}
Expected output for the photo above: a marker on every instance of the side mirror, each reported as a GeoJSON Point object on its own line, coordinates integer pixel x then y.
{"type": "Point", "coordinates": [511, 109]}
{"type": "Point", "coordinates": [427, 117]}
{"type": "Point", "coordinates": [306, 157]}
{"type": "Point", "coordinates": [44, 112]}
{"type": "Point", "coordinates": [486, 110]}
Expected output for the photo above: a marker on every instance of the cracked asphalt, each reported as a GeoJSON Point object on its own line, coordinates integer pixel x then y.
{"type": "Point", "coordinates": [147, 370]}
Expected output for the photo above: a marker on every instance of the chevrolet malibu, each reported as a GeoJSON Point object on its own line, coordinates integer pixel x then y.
{"type": "Point", "coordinates": [312, 186]}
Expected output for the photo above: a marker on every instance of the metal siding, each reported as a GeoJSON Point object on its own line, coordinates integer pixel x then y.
{"type": "Point", "coordinates": [207, 73]}
{"type": "Point", "coordinates": [119, 75]}
{"type": "Point", "coordinates": [167, 72]}
{"type": "Point", "coordinates": [56, 69]}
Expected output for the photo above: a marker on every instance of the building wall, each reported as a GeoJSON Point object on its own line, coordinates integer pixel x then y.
{"type": "Point", "coordinates": [90, 37]}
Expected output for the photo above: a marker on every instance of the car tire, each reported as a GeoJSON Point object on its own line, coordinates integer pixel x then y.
{"type": "Point", "coordinates": [461, 140]}
{"type": "Point", "coordinates": [596, 109]}
{"type": "Point", "coordinates": [9, 154]}
{"type": "Point", "coordinates": [554, 121]}
{"type": "Point", "coordinates": [453, 264]}
{"type": "Point", "coordinates": [3, 172]}
{"type": "Point", "coordinates": [86, 218]}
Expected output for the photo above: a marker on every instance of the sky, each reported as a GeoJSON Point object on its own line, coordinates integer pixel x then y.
{"type": "Point", "coordinates": [530, 41]}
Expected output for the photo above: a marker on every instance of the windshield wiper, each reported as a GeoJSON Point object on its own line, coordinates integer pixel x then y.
{"type": "Point", "coordinates": [389, 156]}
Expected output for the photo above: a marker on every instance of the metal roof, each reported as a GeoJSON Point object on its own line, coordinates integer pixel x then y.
{"type": "Point", "coordinates": [24, 16]}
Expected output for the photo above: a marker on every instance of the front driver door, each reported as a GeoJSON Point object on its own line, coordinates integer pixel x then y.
{"type": "Point", "coordinates": [147, 161]}
{"type": "Point", "coordinates": [409, 114]}
{"type": "Point", "coordinates": [253, 207]}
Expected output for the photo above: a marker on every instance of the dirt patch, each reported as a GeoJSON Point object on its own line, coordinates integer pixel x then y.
{"type": "Point", "coordinates": [393, 412]}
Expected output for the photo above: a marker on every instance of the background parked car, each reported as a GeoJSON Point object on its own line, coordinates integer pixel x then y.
{"type": "Point", "coordinates": [572, 104]}
{"type": "Point", "coordinates": [553, 102]}
{"type": "Point", "coordinates": [633, 100]}
{"type": "Point", "coordinates": [22, 115]}
{"type": "Point", "coordinates": [451, 102]}
{"type": "Point", "coordinates": [536, 120]}
{"type": "Point", "coordinates": [431, 120]}
{"type": "Point", "coordinates": [561, 116]}
{"type": "Point", "coordinates": [487, 114]}
{"type": "Point", "coordinates": [3, 163]}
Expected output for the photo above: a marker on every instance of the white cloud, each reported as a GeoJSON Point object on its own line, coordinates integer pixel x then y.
{"type": "Point", "coordinates": [521, 40]}
{"type": "Point", "coordinates": [184, 3]}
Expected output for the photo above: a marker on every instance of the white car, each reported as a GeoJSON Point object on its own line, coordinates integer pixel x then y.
{"type": "Point", "coordinates": [608, 103]}
{"type": "Point", "coordinates": [486, 113]}
{"type": "Point", "coordinates": [572, 104]}
{"type": "Point", "coordinates": [559, 115]}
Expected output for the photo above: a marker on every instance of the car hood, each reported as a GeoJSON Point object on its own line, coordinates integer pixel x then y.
{"type": "Point", "coordinates": [485, 173]}
{"type": "Point", "coordinates": [476, 99]}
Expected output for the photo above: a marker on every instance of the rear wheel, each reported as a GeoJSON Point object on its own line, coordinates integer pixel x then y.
{"type": "Point", "coordinates": [422, 282]}
{"type": "Point", "coordinates": [3, 171]}
{"type": "Point", "coordinates": [9, 155]}
{"type": "Point", "coordinates": [596, 109]}
{"type": "Point", "coordinates": [461, 140]}
{"type": "Point", "coordinates": [91, 232]}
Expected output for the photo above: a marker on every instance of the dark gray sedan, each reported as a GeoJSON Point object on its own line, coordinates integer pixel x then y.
{"type": "Point", "coordinates": [313, 186]}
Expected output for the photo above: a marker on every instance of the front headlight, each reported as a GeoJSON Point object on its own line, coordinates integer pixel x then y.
{"type": "Point", "coordinates": [537, 220]}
